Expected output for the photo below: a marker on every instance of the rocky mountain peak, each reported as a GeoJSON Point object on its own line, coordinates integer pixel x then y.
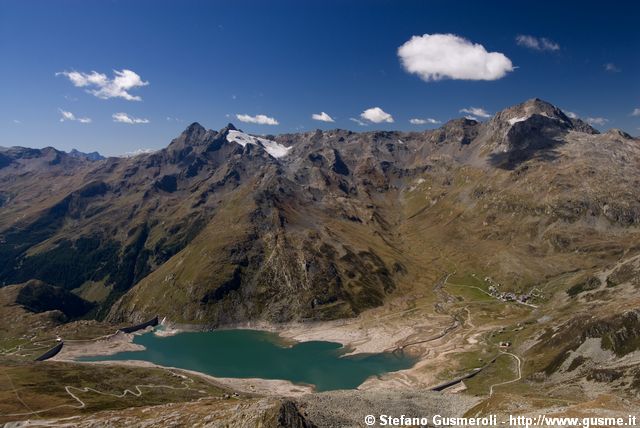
{"type": "Point", "coordinates": [618, 133]}
{"type": "Point", "coordinates": [541, 112]}
{"type": "Point", "coordinates": [194, 135]}
{"type": "Point", "coordinates": [194, 128]}
{"type": "Point", "coordinates": [93, 156]}
{"type": "Point", "coordinates": [533, 107]}
{"type": "Point", "coordinates": [461, 131]}
{"type": "Point", "coordinates": [230, 127]}
{"type": "Point", "coordinates": [527, 130]}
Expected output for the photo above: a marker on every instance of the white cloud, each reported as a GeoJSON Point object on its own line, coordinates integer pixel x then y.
{"type": "Point", "coordinates": [476, 111]}
{"type": "Point", "coordinates": [322, 117]}
{"type": "Point", "coordinates": [358, 121]}
{"type": "Point", "coordinates": [599, 121]}
{"type": "Point", "coordinates": [448, 56]}
{"type": "Point", "coordinates": [539, 44]}
{"type": "Point", "coordinates": [611, 68]}
{"type": "Point", "coordinates": [570, 114]}
{"type": "Point", "coordinates": [68, 116]}
{"type": "Point", "coordinates": [125, 118]}
{"type": "Point", "coordinates": [635, 112]}
{"type": "Point", "coordinates": [138, 152]}
{"type": "Point", "coordinates": [376, 115]}
{"type": "Point", "coordinates": [260, 119]}
{"type": "Point", "coordinates": [17, 122]}
{"type": "Point", "coordinates": [101, 86]}
{"type": "Point", "coordinates": [416, 121]}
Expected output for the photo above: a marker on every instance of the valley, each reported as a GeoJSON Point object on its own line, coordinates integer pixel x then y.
{"type": "Point", "coordinates": [509, 246]}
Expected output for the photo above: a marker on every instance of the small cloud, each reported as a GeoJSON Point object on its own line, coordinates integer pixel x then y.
{"type": "Point", "coordinates": [358, 121]}
{"type": "Point", "coordinates": [469, 117]}
{"type": "Point", "coordinates": [448, 56]}
{"type": "Point", "coordinates": [67, 116]}
{"type": "Point", "coordinates": [125, 118]}
{"type": "Point", "coordinates": [635, 112]}
{"type": "Point", "coordinates": [259, 119]}
{"type": "Point", "coordinates": [138, 152]}
{"type": "Point", "coordinates": [233, 97]}
{"type": "Point", "coordinates": [174, 119]}
{"type": "Point", "coordinates": [322, 117]}
{"type": "Point", "coordinates": [538, 44]}
{"type": "Point", "coordinates": [104, 88]}
{"type": "Point", "coordinates": [17, 122]}
{"type": "Point", "coordinates": [416, 121]}
{"type": "Point", "coordinates": [570, 114]}
{"type": "Point", "coordinates": [476, 111]}
{"type": "Point", "coordinates": [376, 115]}
{"type": "Point", "coordinates": [611, 68]}
{"type": "Point", "coordinates": [599, 121]}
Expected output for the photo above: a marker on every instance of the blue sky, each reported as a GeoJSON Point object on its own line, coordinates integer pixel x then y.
{"type": "Point", "coordinates": [286, 60]}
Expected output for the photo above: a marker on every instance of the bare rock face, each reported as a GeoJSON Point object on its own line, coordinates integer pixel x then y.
{"type": "Point", "coordinates": [531, 129]}
{"type": "Point", "coordinates": [223, 227]}
{"type": "Point", "coordinates": [286, 415]}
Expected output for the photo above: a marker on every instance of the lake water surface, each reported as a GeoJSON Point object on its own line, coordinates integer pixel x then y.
{"type": "Point", "coordinates": [259, 354]}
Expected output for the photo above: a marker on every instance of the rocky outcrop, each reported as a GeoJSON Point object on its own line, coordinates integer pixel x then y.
{"type": "Point", "coordinates": [286, 415]}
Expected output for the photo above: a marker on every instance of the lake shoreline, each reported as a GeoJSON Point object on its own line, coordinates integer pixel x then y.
{"type": "Point", "coordinates": [359, 335]}
{"type": "Point", "coordinates": [248, 353]}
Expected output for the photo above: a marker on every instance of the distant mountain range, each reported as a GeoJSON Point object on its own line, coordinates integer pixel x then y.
{"type": "Point", "coordinates": [223, 227]}
{"type": "Point", "coordinates": [93, 156]}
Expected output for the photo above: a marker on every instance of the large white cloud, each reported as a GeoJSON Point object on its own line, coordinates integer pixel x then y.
{"type": "Point", "coordinates": [125, 118]}
{"type": "Point", "coordinates": [260, 119]}
{"type": "Point", "coordinates": [538, 44]}
{"type": "Point", "coordinates": [448, 56]}
{"type": "Point", "coordinates": [322, 117]}
{"type": "Point", "coordinates": [68, 116]}
{"type": "Point", "coordinates": [376, 115]}
{"type": "Point", "coordinates": [476, 111]}
{"type": "Point", "coordinates": [101, 86]}
{"type": "Point", "coordinates": [417, 121]}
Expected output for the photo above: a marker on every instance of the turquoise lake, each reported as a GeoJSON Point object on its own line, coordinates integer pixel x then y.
{"type": "Point", "coordinates": [259, 354]}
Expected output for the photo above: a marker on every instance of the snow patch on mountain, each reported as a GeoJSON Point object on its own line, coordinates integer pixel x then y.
{"type": "Point", "coordinates": [517, 119]}
{"type": "Point", "coordinates": [274, 149]}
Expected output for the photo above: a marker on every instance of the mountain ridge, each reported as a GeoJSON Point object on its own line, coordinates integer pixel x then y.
{"type": "Point", "coordinates": [323, 231]}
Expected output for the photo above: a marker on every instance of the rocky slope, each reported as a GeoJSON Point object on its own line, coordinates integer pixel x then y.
{"type": "Point", "coordinates": [221, 227]}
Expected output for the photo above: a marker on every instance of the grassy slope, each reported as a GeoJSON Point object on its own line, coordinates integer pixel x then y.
{"type": "Point", "coordinates": [25, 388]}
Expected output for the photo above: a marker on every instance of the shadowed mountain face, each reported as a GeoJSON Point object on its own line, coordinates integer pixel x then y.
{"type": "Point", "coordinates": [222, 227]}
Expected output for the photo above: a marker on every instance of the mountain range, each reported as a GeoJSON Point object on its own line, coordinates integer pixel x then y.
{"type": "Point", "coordinates": [222, 227]}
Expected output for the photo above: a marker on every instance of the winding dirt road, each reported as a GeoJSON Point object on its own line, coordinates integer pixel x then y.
{"type": "Point", "coordinates": [509, 381]}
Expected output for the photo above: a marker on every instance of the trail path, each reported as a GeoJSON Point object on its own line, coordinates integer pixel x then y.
{"type": "Point", "coordinates": [509, 381]}
{"type": "Point", "coordinates": [136, 391]}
